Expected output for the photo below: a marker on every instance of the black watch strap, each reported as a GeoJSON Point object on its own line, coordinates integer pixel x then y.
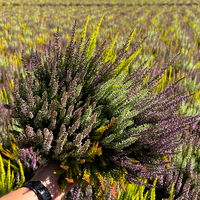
{"type": "Point", "coordinates": [40, 190]}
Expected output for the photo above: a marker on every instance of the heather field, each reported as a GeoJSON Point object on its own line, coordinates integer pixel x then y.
{"type": "Point", "coordinates": [108, 89]}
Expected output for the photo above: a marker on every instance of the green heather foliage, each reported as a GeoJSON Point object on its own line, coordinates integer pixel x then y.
{"type": "Point", "coordinates": [81, 107]}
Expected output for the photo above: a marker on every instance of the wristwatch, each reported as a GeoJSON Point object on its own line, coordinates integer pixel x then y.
{"type": "Point", "coordinates": [40, 190]}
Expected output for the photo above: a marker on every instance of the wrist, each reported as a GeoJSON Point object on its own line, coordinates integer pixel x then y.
{"type": "Point", "coordinates": [39, 189]}
{"type": "Point", "coordinates": [52, 186]}
{"type": "Point", "coordinates": [49, 179]}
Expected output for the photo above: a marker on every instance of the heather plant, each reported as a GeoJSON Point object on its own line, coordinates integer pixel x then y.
{"type": "Point", "coordinates": [187, 161]}
{"type": "Point", "coordinates": [80, 108]}
{"type": "Point", "coordinates": [185, 180]}
{"type": "Point", "coordinates": [184, 183]}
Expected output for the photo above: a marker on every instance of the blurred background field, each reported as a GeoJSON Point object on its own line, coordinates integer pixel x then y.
{"type": "Point", "coordinates": [168, 29]}
{"type": "Point", "coordinates": [163, 29]}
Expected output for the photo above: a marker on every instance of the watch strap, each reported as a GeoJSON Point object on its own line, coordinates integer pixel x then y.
{"type": "Point", "coordinates": [40, 190]}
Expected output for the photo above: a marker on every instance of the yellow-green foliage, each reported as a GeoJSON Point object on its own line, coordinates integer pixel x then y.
{"type": "Point", "coordinates": [137, 192]}
{"type": "Point", "coordinates": [11, 169]}
{"type": "Point", "coordinates": [153, 190]}
{"type": "Point", "coordinates": [93, 40]}
{"type": "Point", "coordinates": [132, 35]}
{"type": "Point", "coordinates": [4, 95]}
{"type": "Point", "coordinates": [123, 67]}
{"type": "Point", "coordinates": [8, 175]}
{"type": "Point", "coordinates": [172, 192]}
{"type": "Point", "coordinates": [109, 54]}
{"type": "Point", "coordinates": [166, 78]}
{"type": "Point", "coordinates": [84, 34]}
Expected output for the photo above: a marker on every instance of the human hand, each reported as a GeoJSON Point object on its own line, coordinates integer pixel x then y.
{"type": "Point", "coordinates": [49, 179]}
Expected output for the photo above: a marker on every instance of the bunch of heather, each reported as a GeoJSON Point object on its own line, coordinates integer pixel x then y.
{"type": "Point", "coordinates": [81, 107]}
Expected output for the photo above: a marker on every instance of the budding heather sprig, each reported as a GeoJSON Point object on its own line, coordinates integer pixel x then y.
{"type": "Point", "coordinates": [88, 110]}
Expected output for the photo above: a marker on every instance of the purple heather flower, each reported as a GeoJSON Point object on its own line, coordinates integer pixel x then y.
{"type": "Point", "coordinates": [29, 158]}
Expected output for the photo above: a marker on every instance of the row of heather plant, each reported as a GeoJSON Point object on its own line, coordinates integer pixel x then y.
{"type": "Point", "coordinates": [85, 107]}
